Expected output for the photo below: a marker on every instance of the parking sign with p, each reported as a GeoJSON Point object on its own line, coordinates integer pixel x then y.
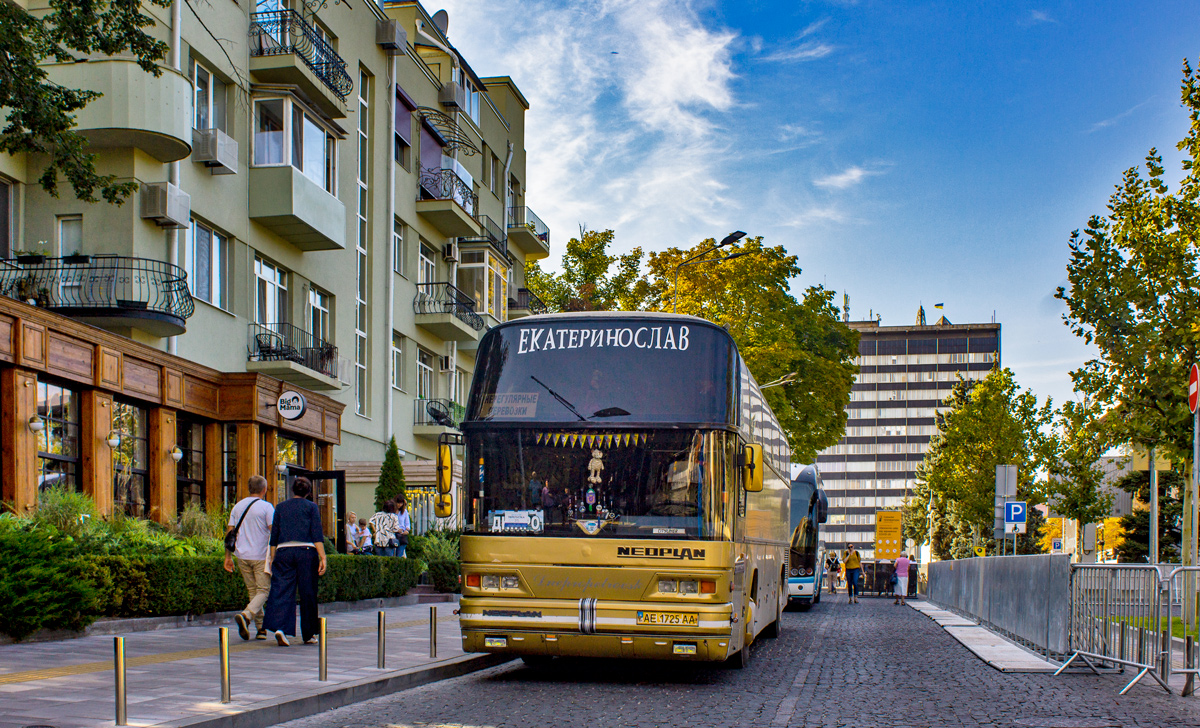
{"type": "Point", "coordinates": [1015, 512]}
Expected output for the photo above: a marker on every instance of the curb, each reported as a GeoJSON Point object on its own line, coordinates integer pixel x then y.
{"type": "Point", "coordinates": [302, 705]}
{"type": "Point", "coordinates": [109, 627]}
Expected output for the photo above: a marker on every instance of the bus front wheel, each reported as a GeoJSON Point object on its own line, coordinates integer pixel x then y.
{"type": "Point", "coordinates": [739, 660]}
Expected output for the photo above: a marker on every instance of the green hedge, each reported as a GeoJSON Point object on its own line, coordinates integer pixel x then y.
{"type": "Point", "coordinates": [56, 593]}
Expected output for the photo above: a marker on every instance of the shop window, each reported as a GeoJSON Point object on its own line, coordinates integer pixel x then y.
{"type": "Point", "coordinates": [229, 465]}
{"type": "Point", "coordinates": [287, 133]}
{"type": "Point", "coordinates": [189, 485]}
{"type": "Point", "coordinates": [205, 252]}
{"type": "Point", "coordinates": [58, 441]}
{"type": "Point", "coordinates": [131, 487]}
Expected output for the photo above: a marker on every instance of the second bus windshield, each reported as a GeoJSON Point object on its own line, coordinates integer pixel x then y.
{"type": "Point", "coordinates": [631, 484]}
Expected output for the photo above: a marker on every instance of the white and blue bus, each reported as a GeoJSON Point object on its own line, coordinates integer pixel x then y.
{"type": "Point", "coordinates": [809, 509]}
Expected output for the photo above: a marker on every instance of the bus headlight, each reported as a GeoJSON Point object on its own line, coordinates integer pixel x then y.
{"type": "Point", "coordinates": [689, 586]}
{"type": "Point", "coordinates": [668, 586]}
{"type": "Point", "coordinates": [510, 582]}
{"type": "Point", "coordinates": [795, 572]}
{"type": "Point", "coordinates": [491, 581]}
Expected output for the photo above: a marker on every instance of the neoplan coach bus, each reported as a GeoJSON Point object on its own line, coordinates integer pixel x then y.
{"type": "Point", "coordinates": [806, 567]}
{"type": "Point", "coordinates": [625, 492]}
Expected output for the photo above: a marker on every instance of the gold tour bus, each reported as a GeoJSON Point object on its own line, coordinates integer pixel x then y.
{"type": "Point", "coordinates": [625, 492]}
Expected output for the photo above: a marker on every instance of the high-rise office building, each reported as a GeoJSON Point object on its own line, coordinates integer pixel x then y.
{"type": "Point", "coordinates": [905, 375]}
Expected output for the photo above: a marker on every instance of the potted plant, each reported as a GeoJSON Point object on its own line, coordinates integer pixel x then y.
{"type": "Point", "coordinates": [77, 259]}
{"type": "Point", "coordinates": [36, 256]}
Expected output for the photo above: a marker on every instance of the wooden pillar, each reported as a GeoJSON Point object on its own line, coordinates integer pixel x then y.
{"type": "Point", "coordinates": [96, 458]}
{"type": "Point", "coordinates": [324, 456]}
{"type": "Point", "coordinates": [214, 470]}
{"type": "Point", "coordinates": [161, 469]}
{"type": "Point", "coordinates": [309, 455]}
{"type": "Point", "coordinates": [18, 479]}
{"type": "Point", "coordinates": [248, 458]}
{"type": "Point", "coordinates": [270, 452]}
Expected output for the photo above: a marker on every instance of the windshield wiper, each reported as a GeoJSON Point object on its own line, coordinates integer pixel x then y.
{"type": "Point", "coordinates": [610, 412]}
{"type": "Point", "coordinates": [560, 399]}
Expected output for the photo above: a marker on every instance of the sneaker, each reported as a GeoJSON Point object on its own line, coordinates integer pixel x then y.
{"type": "Point", "coordinates": [262, 634]}
{"type": "Point", "coordinates": [243, 626]}
{"type": "Point", "coordinates": [281, 638]}
{"type": "Point", "coordinates": [311, 640]}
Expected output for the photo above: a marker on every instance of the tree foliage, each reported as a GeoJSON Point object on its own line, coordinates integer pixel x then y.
{"type": "Point", "coordinates": [39, 115]}
{"type": "Point", "coordinates": [391, 477]}
{"type": "Point", "coordinates": [1075, 479]}
{"type": "Point", "coordinates": [748, 295]}
{"type": "Point", "coordinates": [1135, 545]}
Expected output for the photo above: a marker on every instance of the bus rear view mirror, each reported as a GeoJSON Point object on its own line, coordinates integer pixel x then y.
{"type": "Point", "coordinates": [443, 505]}
{"type": "Point", "coordinates": [752, 475]}
{"type": "Point", "coordinates": [445, 469]}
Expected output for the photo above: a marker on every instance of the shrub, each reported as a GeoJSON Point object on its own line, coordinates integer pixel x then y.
{"type": "Point", "coordinates": [440, 546]}
{"type": "Point", "coordinates": [41, 586]}
{"type": "Point", "coordinates": [391, 477]}
{"type": "Point", "coordinates": [445, 574]}
{"type": "Point", "coordinates": [196, 522]}
{"type": "Point", "coordinates": [69, 512]}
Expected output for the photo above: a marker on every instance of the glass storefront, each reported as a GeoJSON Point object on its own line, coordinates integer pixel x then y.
{"type": "Point", "coordinates": [58, 440]}
{"type": "Point", "coordinates": [131, 487]}
{"type": "Point", "coordinates": [189, 477]}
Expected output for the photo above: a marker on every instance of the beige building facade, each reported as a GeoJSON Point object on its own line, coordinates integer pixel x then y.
{"type": "Point", "coordinates": [330, 199]}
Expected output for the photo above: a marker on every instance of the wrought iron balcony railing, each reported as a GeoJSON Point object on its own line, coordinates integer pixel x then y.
{"type": "Point", "coordinates": [446, 298]}
{"type": "Point", "coordinates": [445, 184]}
{"type": "Point", "coordinates": [286, 342]}
{"type": "Point", "coordinates": [492, 235]}
{"type": "Point", "coordinates": [100, 286]}
{"type": "Point", "coordinates": [527, 300]}
{"type": "Point", "coordinates": [443, 412]}
{"type": "Point", "coordinates": [286, 32]}
{"type": "Point", "coordinates": [524, 217]}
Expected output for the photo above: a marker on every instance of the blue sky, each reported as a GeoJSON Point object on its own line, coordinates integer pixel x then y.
{"type": "Point", "coordinates": [907, 152]}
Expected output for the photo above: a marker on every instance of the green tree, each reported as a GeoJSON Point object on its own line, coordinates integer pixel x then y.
{"type": "Point", "coordinates": [587, 281]}
{"type": "Point", "coordinates": [1079, 439]}
{"type": "Point", "coordinates": [39, 115]}
{"type": "Point", "coordinates": [391, 477]}
{"type": "Point", "coordinates": [1135, 546]}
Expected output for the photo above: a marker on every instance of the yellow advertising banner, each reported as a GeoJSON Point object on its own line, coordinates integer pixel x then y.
{"type": "Point", "coordinates": [889, 537]}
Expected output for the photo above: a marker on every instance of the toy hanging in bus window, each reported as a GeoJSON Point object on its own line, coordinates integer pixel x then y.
{"type": "Point", "coordinates": [595, 465]}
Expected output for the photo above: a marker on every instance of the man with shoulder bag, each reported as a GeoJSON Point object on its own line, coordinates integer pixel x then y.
{"type": "Point", "coordinates": [248, 538]}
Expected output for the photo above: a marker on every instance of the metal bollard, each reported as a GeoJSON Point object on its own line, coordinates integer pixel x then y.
{"type": "Point", "coordinates": [381, 646]}
{"type": "Point", "coordinates": [433, 631]}
{"type": "Point", "coordinates": [119, 669]}
{"type": "Point", "coordinates": [226, 690]}
{"type": "Point", "coordinates": [1141, 646]}
{"type": "Point", "coordinates": [1189, 661]}
{"type": "Point", "coordinates": [322, 653]}
{"type": "Point", "coordinates": [1124, 641]}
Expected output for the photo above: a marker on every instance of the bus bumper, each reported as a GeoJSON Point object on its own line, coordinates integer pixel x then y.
{"type": "Point", "coordinates": [566, 644]}
{"type": "Point", "coordinates": [800, 589]}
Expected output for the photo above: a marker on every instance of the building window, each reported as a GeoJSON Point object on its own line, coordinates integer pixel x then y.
{"type": "Point", "coordinates": [209, 102]}
{"type": "Point", "coordinates": [461, 387]}
{"type": "Point", "coordinates": [318, 315]}
{"type": "Point", "coordinates": [189, 473]}
{"type": "Point", "coordinates": [399, 250]}
{"type": "Point", "coordinates": [470, 91]}
{"type": "Point", "coordinates": [484, 276]}
{"type": "Point", "coordinates": [397, 361]}
{"type": "Point", "coordinates": [494, 177]}
{"type": "Point", "coordinates": [362, 289]}
{"type": "Point", "coordinates": [131, 488]}
{"type": "Point", "coordinates": [58, 442]}
{"type": "Point", "coordinates": [404, 124]}
{"type": "Point", "coordinates": [312, 148]}
{"type": "Point", "coordinates": [271, 300]}
{"type": "Point", "coordinates": [204, 254]}
{"type": "Point", "coordinates": [425, 378]}
{"type": "Point", "coordinates": [229, 465]}
{"type": "Point", "coordinates": [70, 234]}
{"type": "Point", "coordinates": [426, 268]}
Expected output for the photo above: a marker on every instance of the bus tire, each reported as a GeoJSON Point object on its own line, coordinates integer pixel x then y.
{"type": "Point", "coordinates": [536, 661]}
{"type": "Point", "coordinates": [817, 596]}
{"type": "Point", "coordinates": [739, 660]}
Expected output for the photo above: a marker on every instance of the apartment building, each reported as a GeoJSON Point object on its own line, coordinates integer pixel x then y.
{"type": "Point", "coordinates": [331, 214]}
{"type": "Point", "coordinates": [905, 375]}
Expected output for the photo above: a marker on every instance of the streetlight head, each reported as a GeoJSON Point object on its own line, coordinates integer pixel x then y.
{"type": "Point", "coordinates": [738, 254]}
{"type": "Point", "coordinates": [731, 238]}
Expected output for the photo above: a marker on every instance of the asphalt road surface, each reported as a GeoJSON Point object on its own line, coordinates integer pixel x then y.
{"type": "Point", "coordinates": [870, 664]}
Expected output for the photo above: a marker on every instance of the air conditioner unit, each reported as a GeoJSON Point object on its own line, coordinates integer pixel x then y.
{"type": "Point", "coordinates": [452, 95]}
{"type": "Point", "coordinates": [446, 364]}
{"type": "Point", "coordinates": [390, 36]}
{"type": "Point", "coordinates": [450, 361]}
{"type": "Point", "coordinates": [450, 252]}
{"type": "Point", "coordinates": [216, 149]}
{"type": "Point", "coordinates": [166, 204]}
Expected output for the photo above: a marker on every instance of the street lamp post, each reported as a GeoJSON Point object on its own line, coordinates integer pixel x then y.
{"type": "Point", "coordinates": [727, 240]}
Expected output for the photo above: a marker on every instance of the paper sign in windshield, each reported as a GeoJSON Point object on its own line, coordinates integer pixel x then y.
{"type": "Point", "coordinates": [517, 521]}
{"type": "Point", "coordinates": [513, 404]}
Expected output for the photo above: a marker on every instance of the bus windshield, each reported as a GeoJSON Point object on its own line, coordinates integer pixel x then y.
{"type": "Point", "coordinates": [597, 483]}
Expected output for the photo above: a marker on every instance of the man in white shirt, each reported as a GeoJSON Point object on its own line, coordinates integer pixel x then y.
{"type": "Point", "coordinates": [253, 540]}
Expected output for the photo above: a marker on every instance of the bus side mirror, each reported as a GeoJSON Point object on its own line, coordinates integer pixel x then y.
{"type": "Point", "coordinates": [752, 475]}
{"type": "Point", "coordinates": [443, 504]}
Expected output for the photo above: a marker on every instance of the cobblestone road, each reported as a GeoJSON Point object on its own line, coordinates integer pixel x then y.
{"type": "Point", "coordinates": [871, 664]}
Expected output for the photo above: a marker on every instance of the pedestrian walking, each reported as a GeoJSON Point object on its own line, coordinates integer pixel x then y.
{"type": "Point", "coordinates": [901, 574]}
{"type": "Point", "coordinates": [832, 567]}
{"type": "Point", "coordinates": [296, 559]}
{"type": "Point", "coordinates": [853, 563]}
{"type": "Point", "coordinates": [384, 524]}
{"type": "Point", "coordinates": [250, 529]}
{"type": "Point", "coordinates": [403, 526]}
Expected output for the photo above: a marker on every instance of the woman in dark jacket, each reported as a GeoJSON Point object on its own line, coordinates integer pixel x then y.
{"type": "Point", "coordinates": [296, 559]}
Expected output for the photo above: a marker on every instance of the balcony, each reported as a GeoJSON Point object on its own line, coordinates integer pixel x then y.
{"type": "Point", "coordinates": [108, 291]}
{"type": "Point", "coordinates": [283, 200]}
{"type": "Point", "coordinates": [285, 48]}
{"type": "Point", "coordinates": [491, 234]}
{"type": "Point", "coordinates": [432, 417]}
{"type": "Point", "coordinates": [527, 231]}
{"type": "Point", "coordinates": [448, 203]}
{"type": "Point", "coordinates": [525, 304]}
{"type": "Point", "coordinates": [447, 312]}
{"type": "Point", "coordinates": [138, 110]}
{"type": "Point", "coordinates": [291, 354]}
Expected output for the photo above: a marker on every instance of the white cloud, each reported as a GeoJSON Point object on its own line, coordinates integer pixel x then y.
{"type": "Point", "coordinates": [630, 140]}
{"type": "Point", "coordinates": [1112, 120]}
{"type": "Point", "coordinates": [814, 215]}
{"type": "Point", "coordinates": [809, 50]}
{"type": "Point", "coordinates": [1041, 16]}
{"type": "Point", "coordinates": [845, 179]}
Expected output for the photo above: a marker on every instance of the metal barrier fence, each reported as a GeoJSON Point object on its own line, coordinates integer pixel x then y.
{"type": "Point", "coordinates": [1022, 597]}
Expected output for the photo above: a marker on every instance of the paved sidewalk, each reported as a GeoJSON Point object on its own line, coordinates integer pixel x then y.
{"type": "Point", "coordinates": [174, 675]}
{"type": "Point", "coordinates": [992, 648]}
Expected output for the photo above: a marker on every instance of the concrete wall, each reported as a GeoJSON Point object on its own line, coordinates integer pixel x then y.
{"type": "Point", "coordinates": [1027, 597]}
